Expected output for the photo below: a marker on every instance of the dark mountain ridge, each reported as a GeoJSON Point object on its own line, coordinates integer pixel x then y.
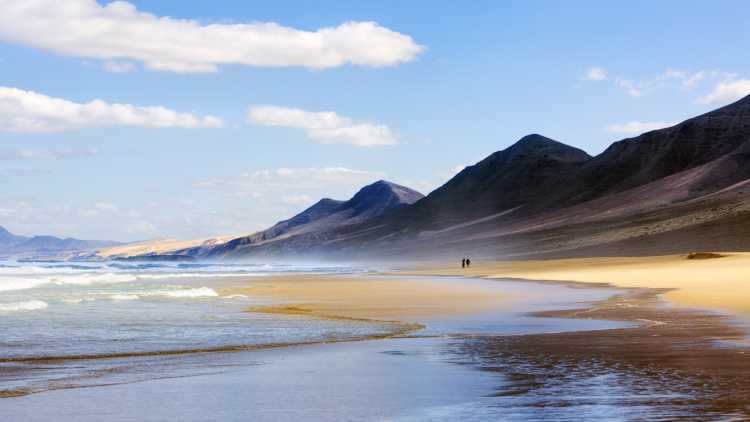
{"type": "Point", "coordinates": [540, 183]}
{"type": "Point", "coordinates": [659, 153]}
{"type": "Point", "coordinates": [540, 197]}
{"type": "Point", "coordinates": [318, 222]}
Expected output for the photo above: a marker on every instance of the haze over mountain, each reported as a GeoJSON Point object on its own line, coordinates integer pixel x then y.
{"type": "Point", "coordinates": [44, 246]}
{"type": "Point", "coordinates": [677, 189]}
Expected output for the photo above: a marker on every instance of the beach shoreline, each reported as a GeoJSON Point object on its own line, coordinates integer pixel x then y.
{"type": "Point", "coordinates": [672, 360]}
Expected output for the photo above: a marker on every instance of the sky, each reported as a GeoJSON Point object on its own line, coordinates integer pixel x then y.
{"type": "Point", "coordinates": [172, 119]}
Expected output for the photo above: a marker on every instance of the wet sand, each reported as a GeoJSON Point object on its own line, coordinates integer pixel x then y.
{"type": "Point", "coordinates": [688, 358]}
{"type": "Point", "coordinates": [389, 299]}
{"type": "Point", "coordinates": [678, 364]}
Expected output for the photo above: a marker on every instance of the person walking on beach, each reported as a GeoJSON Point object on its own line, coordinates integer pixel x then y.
{"type": "Point", "coordinates": [468, 262]}
{"type": "Point", "coordinates": [463, 263]}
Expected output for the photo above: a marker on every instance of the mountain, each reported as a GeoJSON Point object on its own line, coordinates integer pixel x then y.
{"type": "Point", "coordinates": [678, 189]}
{"type": "Point", "coordinates": [8, 239]}
{"type": "Point", "coordinates": [526, 174]}
{"type": "Point", "coordinates": [662, 184]}
{"type": "Point", "coordinates": [44, 246]}
{"type": "Point", "coordinates": [660, 153]}
{"type": "Point", "coordinates": [319, 223]}
{"type": "Point", "coordinates": [543, 198]}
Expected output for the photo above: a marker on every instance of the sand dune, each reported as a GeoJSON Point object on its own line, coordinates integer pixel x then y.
{"type": "Point", "coordinates": [159, 246]}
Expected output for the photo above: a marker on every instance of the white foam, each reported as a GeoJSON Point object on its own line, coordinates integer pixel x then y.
{"type": "Point", "coordinates": [124, 297]}
{"type": "Point", "coordinates": [190, 293]}
{"type": "Point", "coordinates": [191, 275]}
{"type": "Point", "coordinates": [235, 297]}
{"type": "Point", "coordinates": [30, 305]}
{"type": "Point", "coordinates": [7, 285]}
{"type": "Point", "coordinates": [82, 279]}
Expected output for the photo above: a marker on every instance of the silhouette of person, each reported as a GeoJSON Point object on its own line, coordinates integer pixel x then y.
{"type": "Point", "coordinates": [463, 263]}
{"type": "Point", "coordinates": [468, 262]}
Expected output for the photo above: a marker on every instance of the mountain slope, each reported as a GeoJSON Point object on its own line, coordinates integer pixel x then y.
{"type": "Point", "coordinates": [539, 196]}
{"type": "Point", "coordinates": [320, 222]}
{"type": "Point", "coordinates": [659, 153]}
{"type": "Point", "coordinates": [525, 174]}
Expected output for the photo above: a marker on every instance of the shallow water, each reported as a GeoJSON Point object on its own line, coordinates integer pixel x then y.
{"type": "Point", "coordinates": [405, 379]}
{"type": "Point", "coordinates": [56, 311]}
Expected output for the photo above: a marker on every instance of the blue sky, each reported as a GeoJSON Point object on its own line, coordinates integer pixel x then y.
{"type": "Point", "coordinates": [431, 87]}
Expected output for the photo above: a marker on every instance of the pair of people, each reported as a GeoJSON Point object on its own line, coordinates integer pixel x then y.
{"type": "Point", "coordinates": [466, 262]}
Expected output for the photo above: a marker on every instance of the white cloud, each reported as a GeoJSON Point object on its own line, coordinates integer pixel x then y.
{"type": "Point", "coordinates": [596, 74]}
{"type": "Point", "coordinates": [273, 194]}
{"type": "Point", "coordinates": [118, 67]}
{"type": "Point", "coordinates": [636, 128]}
{"type": "Point", "coordinates": [727, 91]}
{"type": "Point", "coordinates": [290, 181]}
{"type": "Point", "coordinates": [117, 30]}
{"type": "Point", "coordinates": [324, 127]}
{"type": "Point", "coordinates": [106, 206]}
{"type": "Point", "coordinates": [298, 199]}
{"type": "Point", "coordinates": [632, 88]}
{"type": "Point", "coordinates": [671, 77]}
{"type": "Point", "coordinates": [27, 111]}
{"type": "Point", "coordinates": [47, 154]}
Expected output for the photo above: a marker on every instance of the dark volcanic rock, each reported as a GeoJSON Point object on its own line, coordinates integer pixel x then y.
{"type": "Point", "coordinates": [528, 173]}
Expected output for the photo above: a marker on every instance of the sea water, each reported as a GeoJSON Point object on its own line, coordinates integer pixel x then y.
{"type": "Point", "coordinates": [64, 312]}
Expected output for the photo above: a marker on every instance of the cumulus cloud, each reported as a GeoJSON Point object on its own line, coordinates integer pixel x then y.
{"type": "Point", "coordinates": [636, 128]}
{"type": "Point", "coordinates": [27, 111]}
{"type": "Point", "coordinates": [324, 127]}
{"type": "Point", "coordinates": [118, 67]}
{"type": "Point", "coordinates": [118, 30]}
{"type": "Point", "coordinates": [596, 74]}
{"type": "Point", "coordinates": [727, 91]}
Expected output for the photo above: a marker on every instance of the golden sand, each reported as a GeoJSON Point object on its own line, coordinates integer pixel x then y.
{"type": "Point", "coordinates": [720, 283]}
{"type": "Point", "coordinates": [398, 299]}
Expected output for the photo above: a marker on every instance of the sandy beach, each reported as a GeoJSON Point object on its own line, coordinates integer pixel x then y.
{"type": "Point", "coordinates": [386, 299]}
{"type": "Point", "coordinates": [719, 283]}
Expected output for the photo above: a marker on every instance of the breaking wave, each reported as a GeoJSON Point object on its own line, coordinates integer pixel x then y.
{"type": "Point", "coordinates": [190, 293]}
{"type": "Point", "coordinates": [29, 305]}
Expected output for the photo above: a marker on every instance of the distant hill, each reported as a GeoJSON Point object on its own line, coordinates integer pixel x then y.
{"type": "Point", "coordinates": [45, 246]}
{"type": "Point", "coordinates": [9, 240]}
{"type": "Point", "coordinates": [153, 247]}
